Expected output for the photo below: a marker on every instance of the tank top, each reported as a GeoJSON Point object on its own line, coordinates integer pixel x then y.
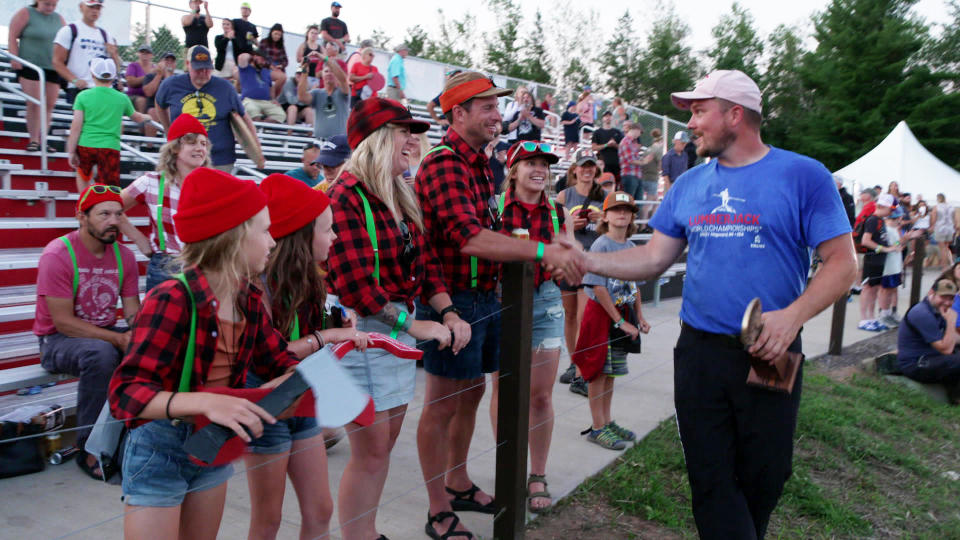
{"type": "Point", "coordinates": [196, 32]}
{"type": "Point", "coordinates": [574, 202]}
{"type": "Point", "coordinates": [228, 345]}
{"type": "Point", "coordinates": [36, 40]}
{"type": "Point", "coordinates": [944, 222]}
{"type": "Point", "coordinates": [312, 67]}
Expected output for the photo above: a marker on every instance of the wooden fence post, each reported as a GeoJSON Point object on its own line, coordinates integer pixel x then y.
{"type": "Point", "coordinates": [919, 254]}
{"type": "Point", "coordinates": [514, 396]}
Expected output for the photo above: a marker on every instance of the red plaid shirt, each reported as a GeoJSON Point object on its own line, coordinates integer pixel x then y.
{"type": "Point", "coordinates": [276, 55]}
{"type": "Point", "coordinates": [455, 190]}
{"type": "Point", "coordinates": [158, 344]}
{"type": "Point", "coordinates": [539, 222]}
{"type": "Point", "coordinates": [351, 261]}
{"type": "Point", "coordinates": [629, 151]}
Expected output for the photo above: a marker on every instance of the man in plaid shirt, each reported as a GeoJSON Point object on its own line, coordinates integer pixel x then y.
{"type": "Point", "coordinates": [629, 153]}
{"type": "Point", "coordinates": [454, 185]}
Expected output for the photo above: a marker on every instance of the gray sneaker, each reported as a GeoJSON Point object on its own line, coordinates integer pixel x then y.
{"type": "Point", "coordinates": [890, 320]}
{"type": "Point", "coordinates": [606, 438]}
{"type": "Point", "coordinates": [579, 386]}
{"type": "Point", "coordinates": [568, 375]}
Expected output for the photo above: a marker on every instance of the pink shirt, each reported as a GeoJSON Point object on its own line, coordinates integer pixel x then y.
{"type": "Point", "coordinates": [98, 290]}
{"type": "Point", "coordinates": [145, 190]}
{"type": "Point", "coordinates": [585, 110]}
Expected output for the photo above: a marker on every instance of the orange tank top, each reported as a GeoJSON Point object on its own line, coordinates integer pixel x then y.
{"type": "Point", "coordinates": [228, 344]}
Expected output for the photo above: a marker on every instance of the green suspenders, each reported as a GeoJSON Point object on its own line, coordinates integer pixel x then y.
{"type": "Point", "coordinates": [372, 232]}
{"type": "Point", "coordinates": [295, 333]}
{"type": "Point", "coordinates": [553, 213]}
{"type": "Point", "coordinates": [161, 241]}
{"type": "Point", "coordinates": [473, 260]}
{"type": "Point", "coordinates": [191, 341]}
{"type": "Point", "coordinates": [76, 268]}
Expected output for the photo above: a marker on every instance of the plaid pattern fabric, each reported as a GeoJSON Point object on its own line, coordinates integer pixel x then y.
{"type": "Point", "coordinates": [455, 189]}
{"type": "Point", "coordinates": [145, 190]}
{"type": "Point", "coordinates": [372, 114]}
{"type": "Point", "coordinates": [351, 261]}
{"type": "Point", "coordinates": [276, 55]}
{"type": "Point", "coordinates": [154, 360]}
{"type": "Point", "coordinates": [629, 151]}
{"type": "Point", "coordinates": [539, 222]}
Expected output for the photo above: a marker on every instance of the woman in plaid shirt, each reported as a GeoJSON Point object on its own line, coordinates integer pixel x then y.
{"type": "Point", "coordinates": [225, 227]}
{"type": "Point", "coordinates": [380, 284]}
{"type": "Point", "coordinates": [524, 208]}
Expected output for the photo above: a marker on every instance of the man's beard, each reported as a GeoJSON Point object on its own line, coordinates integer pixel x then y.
{"type": "Point", "coordinates": [719, 147]}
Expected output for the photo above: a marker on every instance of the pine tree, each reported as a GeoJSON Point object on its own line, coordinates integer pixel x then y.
{"type": "Point", "coordinates": [665, 65]}
{"type": "Point", "coordinates": [416, 40]}
{"type": "Point", "coordinates": [536, 62]}
{"type": "Point", "coordinates": [782, 86]}
{"type": "Point", "coordinates": [618, 60]}
{"type": "Point", "coordinates": [445, 48]}
{"type": "Point", "coordinates": [575, 76]}
{"type": "Point", "coordinates": [502, 51]}
{"type": "Point", "coordinates": [737, 45]}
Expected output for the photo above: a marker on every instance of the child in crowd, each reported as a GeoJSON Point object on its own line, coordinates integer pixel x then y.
{"type": "Point", "coordinates": [97, 121]}
{"type": "Point", "coordinates": [225, 226]}
{"type": "Point", "coordinates": [611, 326]}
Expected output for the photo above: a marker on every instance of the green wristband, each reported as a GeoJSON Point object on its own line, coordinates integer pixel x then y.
{"type": "Point", "coordinates": [540, 248]}
{"type": "Point", "coordinates": [399, 325]}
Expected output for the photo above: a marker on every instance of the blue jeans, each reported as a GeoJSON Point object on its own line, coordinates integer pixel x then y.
{"type": "Point", "coordinates": [161, 268]}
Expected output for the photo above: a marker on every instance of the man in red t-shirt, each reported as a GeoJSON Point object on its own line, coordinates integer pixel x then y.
{"type": "Point", "coordinates": [79, 282]}
{"type": "Point", "coordinates": [360, 73]}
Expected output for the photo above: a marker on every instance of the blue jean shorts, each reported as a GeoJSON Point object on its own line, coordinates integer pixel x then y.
{"type": "Point", "coordinates": [160, 268]}
{"type": "Point", "coordinates": [278, 438]}
{"type": "Point", "coordinates": [482, 354]}
{"type": "Point", "coordinates": [156, 470]}
{"type": "Point", "coordinates": [547, 317]}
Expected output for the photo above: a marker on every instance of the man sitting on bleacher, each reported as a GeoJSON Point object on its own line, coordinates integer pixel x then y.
{"type": "Point", "coordinates": [79, 279]}
{"type": "Point", "coordinates": [927, 339]}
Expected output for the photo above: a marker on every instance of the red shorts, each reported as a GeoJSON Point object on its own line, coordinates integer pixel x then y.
{"type": "Point", "coordinates": [107, 161]}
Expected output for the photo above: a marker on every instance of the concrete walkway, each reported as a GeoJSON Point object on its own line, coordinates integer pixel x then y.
{"type": "Point", "coordinates": [62, 502]}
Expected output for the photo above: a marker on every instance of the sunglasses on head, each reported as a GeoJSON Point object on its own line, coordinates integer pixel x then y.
{"type": "Point", "coordinates": [99, 190]}
{"type": "Point", "coordinates": [532, 146]}
{"type": "Point", "coordinates": [408, 254]}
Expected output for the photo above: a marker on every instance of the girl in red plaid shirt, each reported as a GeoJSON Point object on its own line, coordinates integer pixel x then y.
{"type": "Point", "coordinates": [225, 227]}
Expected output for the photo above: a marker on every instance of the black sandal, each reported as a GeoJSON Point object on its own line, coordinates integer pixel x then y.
{"type": "Point", "coordinates": [451, 531]}
{"type": "Point", "coordinates": [33, 146]}
{"type": "Point", "coordinates": [89, 470]}
{"type": "Point", "coordinates": [465, 501]}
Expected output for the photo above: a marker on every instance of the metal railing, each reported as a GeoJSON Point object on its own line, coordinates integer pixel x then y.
{"type": "Point", "coordinates": [41, 102]}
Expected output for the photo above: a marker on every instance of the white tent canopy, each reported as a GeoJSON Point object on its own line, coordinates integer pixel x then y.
{"type": "Point", "coordinates": [901, 157]}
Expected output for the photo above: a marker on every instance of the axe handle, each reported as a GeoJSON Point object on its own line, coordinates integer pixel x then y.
{"type": "Point", "coordinates": [206, 443]}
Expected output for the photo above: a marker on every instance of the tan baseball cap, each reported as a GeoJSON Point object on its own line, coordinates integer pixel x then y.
{"type": "Point", "coordinates": [944, 287]}
{"type": "Point", "coordinates": [731, 85]}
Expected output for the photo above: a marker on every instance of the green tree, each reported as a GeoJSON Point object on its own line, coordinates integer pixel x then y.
{"type": "Point", "coordinates": [380, 38]}
{"type": "Point", "coordinates": [416, 40]}
{"type": "Point", "coordinates": [863, 77]}
{"type": "Point", "coordinates": [944, 53]}
{"type": "Point", "coordinates": [618, 60]}
{"type": "Point", "coordinates": [782, 86]}
{"type": "Point", "coordinates": [536, 62]}
{"type": "Point", "coordinates": [575, 76]}
{"type": "Point", "coordinates": [502, 50]}
{"type": "Point", "coordinates": [453, 36]}
{"type": "Point", "coordinates": [737, 45]}
{"type": "Point", "coordinates": [128, 53]}
{"type": "Point", "coordinates": [665, 64]}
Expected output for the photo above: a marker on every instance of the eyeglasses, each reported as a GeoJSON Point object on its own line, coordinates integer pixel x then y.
{"type": "Point", "coordinates": [531, 146]}
{"type": "Point", "coordinates": [99, 189]}
{"type": "Point", "coordinates": [329, 106]}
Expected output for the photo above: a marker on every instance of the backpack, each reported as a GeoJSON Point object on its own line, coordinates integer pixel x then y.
{"type": "Point", "coordinates": [73, 37]}
{"type": "Point", "coordinates": [858, 235]}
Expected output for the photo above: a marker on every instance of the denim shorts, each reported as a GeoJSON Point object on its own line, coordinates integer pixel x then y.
{"type": "Point", "coordinates": [156, 470]}
{"type": "Point", "coordinates": [160, 268]}
{"type": "Point", "coordinates": [278, 438]}
{"type": "Point", "coordinates": [547, 317]}
{"type": "Point", "coordinates": [389, 380]}
{"type": "Point", "coordinates": [482, 354]}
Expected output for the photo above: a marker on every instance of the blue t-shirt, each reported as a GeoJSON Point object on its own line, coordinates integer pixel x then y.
{"type": "Point", "coordinates": [211, 104]}
{"type": "Point", "coordinates": [302, 175]}
{"type": "Point", "coordinates": [928, 326]}
{"type": "Point", "coordinates": [396, 69]}
{"type": "Point", "coordinates": [750, 230]}
{"type": "Point", "coordinates": [255, 83]}
{"type": "Point", "coordinates": [956, 307]}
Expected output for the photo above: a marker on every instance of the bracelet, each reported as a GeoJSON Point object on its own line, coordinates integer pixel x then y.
{"type": "Point", "coordinates": [399, 325]}
{"type": "Point", "coordinates": [320, 342]}
{"type": "Point", "coordinates": [879, 249]}
{"type": "Point", "coordinates": [310, 341]}
{"type": "Point", "coordinates": [619, 323]}
{"type": "Point", "coordinates": [540, 249]}
{"type": "Point", "coordinates": [168, 405]}
{"type": "Point", "coordinates": [448, 309]}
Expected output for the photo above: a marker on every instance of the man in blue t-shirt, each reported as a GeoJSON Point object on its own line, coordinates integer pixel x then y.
{"type": "Point", "coordinates": [397, 74]}
{"type": "Point", "coordinates": [210, 99]}
{"type": "Point", "coordinates": [255, 88]}
{"type": "Point", "coordinates": [927, 340]}
{"type": "Point", "coordinates": [749, 217]}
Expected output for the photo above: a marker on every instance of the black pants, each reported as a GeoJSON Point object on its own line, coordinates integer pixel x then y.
{"type": "Point", "coordinates": [737, 440]}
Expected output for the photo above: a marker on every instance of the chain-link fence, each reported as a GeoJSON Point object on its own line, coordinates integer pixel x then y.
{"type": "Point", "coordinates": [161, 40]}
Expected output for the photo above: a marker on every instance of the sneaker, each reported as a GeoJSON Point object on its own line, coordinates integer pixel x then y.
{"type": "Point", "coordinates": [579, 386]}
{"type": "Point", "coordinates": [890, 320]}
{"type": "Point", "coordinates": [568, 375]}
{"type": "Point", "coordinates": [866, 325]}
{"type": "Point", "coordinates": [880, 327]}
{"type": "Point", "coordinates": [622, 432]}
{"type": "Point", "coordinates": [606, 438]}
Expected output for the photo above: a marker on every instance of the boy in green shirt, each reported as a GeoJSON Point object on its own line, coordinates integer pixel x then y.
{"type": "Point", "coordinates": [97, 121]}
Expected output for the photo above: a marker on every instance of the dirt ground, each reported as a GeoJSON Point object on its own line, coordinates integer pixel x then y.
{"type": "Point", "coordinates": [588, 520]}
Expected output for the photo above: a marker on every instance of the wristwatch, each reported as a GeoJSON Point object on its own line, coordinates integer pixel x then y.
{"type": "Point", "coordinates": [448, 309]}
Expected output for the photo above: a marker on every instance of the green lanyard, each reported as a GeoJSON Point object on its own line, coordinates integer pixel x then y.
{"type": "Point", "coordinates": [473, 260]}
{"type": "Point", "coordinates": [76, 267]}
{"type": "Point", "coordinates": [191, 341]}
{"type": "Point", "coordinates": [161, 240]}
{"type": "Point", "coordinates": [553, 213]}
{"type": "Point", "coordinates": [372, 232]}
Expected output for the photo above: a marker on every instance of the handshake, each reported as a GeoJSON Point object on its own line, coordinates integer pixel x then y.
{"type": "Point", "coordinates": [565, 260]}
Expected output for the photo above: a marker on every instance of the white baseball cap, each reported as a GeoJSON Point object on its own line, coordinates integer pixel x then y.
{"type": "Point", "coordinates": [731, 85]}
{"type": "Point", "coordinates": [885, 199]}
{"type": "Point", "coordinates": [103, 69]}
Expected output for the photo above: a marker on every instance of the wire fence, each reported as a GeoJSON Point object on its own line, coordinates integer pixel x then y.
{"type": "Point", "coordinates": [407, 490]}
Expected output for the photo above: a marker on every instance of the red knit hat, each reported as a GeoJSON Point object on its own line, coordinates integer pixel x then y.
{"type": "Point", "coordinates": [373, 113]}
{"type": "Point", "coordinates": [185, 123]}
{"type": "Point", "coordinates": [213, 202]}
{"type": "Point", "coordinates": [292, 203]}
{"type": "Point", "coordinates": [96, 194]}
